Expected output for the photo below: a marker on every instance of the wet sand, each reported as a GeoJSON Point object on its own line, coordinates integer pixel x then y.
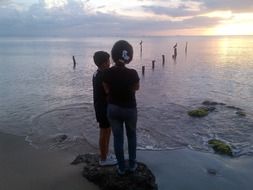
{"type": "Point", "coordinates": [185, 169]}
{"type": "Point", "coordinates": [25, 168]}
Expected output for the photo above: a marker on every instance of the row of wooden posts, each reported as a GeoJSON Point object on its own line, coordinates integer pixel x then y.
{"type": "Point", "coordinates": [153, 65]}
{"type": "Point", "coordinates": [143, 67]}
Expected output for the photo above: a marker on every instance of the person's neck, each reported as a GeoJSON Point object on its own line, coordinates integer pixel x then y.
{"type": "Point", "coordinates": [101, 69]}
{"type": "Point", "coordinates": [120, 65]}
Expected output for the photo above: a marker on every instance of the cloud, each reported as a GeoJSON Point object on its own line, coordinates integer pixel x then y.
{"type": "Point", "coordinates": [180, 11]}
{"type": "Point", "coordinates": [5, 2]}
{"type": "Point", "coordinates": [233, 5]}
{"type": "Point", "coordinates": [82, 18]}
{"type": "Point", "coordinates": [74, 19]}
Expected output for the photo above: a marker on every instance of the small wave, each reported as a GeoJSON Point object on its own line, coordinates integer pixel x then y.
{"type": "Point", "coordinates": [161, 127]}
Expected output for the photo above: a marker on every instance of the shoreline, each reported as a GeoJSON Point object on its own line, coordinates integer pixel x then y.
{"type": "Point", "coordinates": [26, 168]}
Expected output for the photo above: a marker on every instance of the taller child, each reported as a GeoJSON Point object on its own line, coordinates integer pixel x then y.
{"type": "Point", "coordinates": [121, 84]}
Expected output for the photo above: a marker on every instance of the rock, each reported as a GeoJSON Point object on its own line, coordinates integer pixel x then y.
{"type": "Point", "coordinates": [210, 103]}
{"type": "Point", "coordinates": [235, 108]}
{"type": "Point", "coordinates": [200, 112]}
{"type": "Point", "coordinates": [241, 113]}
{"type": "Point", "coordinates": [210, 108]}
{"type": "Point", "coordinates": [212, 171]}
{"type": "Point", "coordinates": [107, 178]}
{"type": "Point", "coordinates": [79, 159]}
{"type": "Point", "coordinates": [220, 147]}
{"type": "Point", "coordinates": [60, 138]}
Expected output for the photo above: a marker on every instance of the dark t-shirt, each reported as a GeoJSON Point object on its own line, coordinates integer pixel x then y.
{"type": "Point", "coordinates": [99, 96]}
{"type": "Point", "coordinates": [120, 81]}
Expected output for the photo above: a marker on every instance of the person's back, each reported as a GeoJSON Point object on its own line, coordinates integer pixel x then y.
{"type": "Point", "coordinates": [121, 80]}
{"type": "Point", "coordinates": [99, 95]}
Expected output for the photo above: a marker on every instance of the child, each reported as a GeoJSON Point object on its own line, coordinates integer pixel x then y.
{"type": "Point", "coordinates": [102, 61]}
{"type": "Point", "coordinates": [121, 83]}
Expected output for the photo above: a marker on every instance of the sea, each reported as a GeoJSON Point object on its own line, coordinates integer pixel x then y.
{"type": "Point", "coordinates": [44, 98]}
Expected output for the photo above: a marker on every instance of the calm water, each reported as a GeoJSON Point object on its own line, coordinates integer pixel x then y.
{"type": "Point", "coordinates": [42, 96]}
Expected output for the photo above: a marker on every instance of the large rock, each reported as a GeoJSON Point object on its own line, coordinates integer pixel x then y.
{"type": "Point", "coordinates": [220, 147]}
{"type": "Point", "coordinates": [108, 179]}
{"type": "Point", "coordinates": [200, 112]}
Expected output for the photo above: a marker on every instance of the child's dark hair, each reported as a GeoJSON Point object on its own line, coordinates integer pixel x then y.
{"type": "Point", "coordinates": [122, 52]}
{"type": "Point", "coordinates": [100, 57]}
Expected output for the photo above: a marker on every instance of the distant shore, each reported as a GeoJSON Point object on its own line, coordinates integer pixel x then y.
{"type": "Point", "coordinates": [26, 168]}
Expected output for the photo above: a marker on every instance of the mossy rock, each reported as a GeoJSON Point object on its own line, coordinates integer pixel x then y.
{"type": "Point", "coordinates": [241, 113]}
{"type": "Point", "coordinates": [220, 147]}
{"type": "Point", "coordinates": [200, 112]}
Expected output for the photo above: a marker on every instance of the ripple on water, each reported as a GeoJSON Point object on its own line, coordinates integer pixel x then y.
{"type": "Point", "coordinates": [161, 127]}
{"type": "Point", "coordinates": [76, 121]}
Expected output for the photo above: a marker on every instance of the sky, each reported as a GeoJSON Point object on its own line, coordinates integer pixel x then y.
{"type": "Point", "coordinates": [125, 17]}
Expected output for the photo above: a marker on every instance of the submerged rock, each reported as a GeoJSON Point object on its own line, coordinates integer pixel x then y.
{"type": "Point", "coordinates": [212, 171]}
{"type": "Point", "coordinates": [200, 112]}
{"type": "Point", "coordinates": [108, 179]}
{"type": "Point", "coordinates": [220, 147]}
{"type": "Point", "coordinates": [60, 138]}
{"type": "Point", "coordinates": [241, 113]}
{"type": "Point", "coordinates": [234, 107]}
{"type": "Point", "coordinates": [210, 103]}
{"type": "Point", "coordinates": [79, 159]}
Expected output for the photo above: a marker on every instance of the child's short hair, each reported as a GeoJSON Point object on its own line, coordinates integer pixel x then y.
{"type": "Point", "coordinates": [122, 52]}
{"type": "Point", "coordinates": [100, 57]}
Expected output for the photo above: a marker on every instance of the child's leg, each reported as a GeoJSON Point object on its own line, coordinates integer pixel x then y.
{"type": "Point", "coordinates": [131, 121]}
{"type": "Point", "coordinates": [118, 134]}
{"type": "Point", "coordinates": [104, 140]}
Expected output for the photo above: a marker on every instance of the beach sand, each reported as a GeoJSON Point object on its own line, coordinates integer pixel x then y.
{"type": "Point", "coordinates": [25, 168]}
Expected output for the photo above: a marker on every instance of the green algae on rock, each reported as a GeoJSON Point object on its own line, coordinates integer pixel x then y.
{"type": "Point", "coordinates": [200, 112]}
{"type": "Point", "coordinates": [220, 147]}
{"type": "Point", "coordinates": [241, 113]}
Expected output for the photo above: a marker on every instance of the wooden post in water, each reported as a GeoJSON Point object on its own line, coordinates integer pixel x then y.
{"type": "Point", "coordinates": [174, 56]}
{"type": "Point", "coordinates": [141, 49]}
{"type": "Point", "coordinates": [74, 62]}
{"type": "Point", "coordinates": [153, 64]}
{"type": "Point", "coordinates": [163, 59]}
{"type": "Point", "coordinates": [143, 70]}
{"type": "Point", "coordinates": [186, 46]}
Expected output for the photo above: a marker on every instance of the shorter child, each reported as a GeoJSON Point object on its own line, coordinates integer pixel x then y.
{"type": "Point", "coordinates": [102, 61]}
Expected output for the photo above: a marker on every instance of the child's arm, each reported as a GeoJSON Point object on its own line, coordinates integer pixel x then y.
{"type": "Point", "coordinates": [106, 87]}
{"type": "Point", "coordinates": [136, 86]}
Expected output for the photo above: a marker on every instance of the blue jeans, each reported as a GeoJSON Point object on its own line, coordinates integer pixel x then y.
{"type": "Point", "coordinates": [118, 116]}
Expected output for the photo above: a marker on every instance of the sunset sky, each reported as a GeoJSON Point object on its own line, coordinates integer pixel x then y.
{"type": "Point", "coordinates": [129, 17]}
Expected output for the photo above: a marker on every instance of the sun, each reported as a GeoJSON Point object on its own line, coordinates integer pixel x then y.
{"type": "Point", "coordinates": [234, 29]}
{"type": "Point", "coordinates": [239, 24]}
